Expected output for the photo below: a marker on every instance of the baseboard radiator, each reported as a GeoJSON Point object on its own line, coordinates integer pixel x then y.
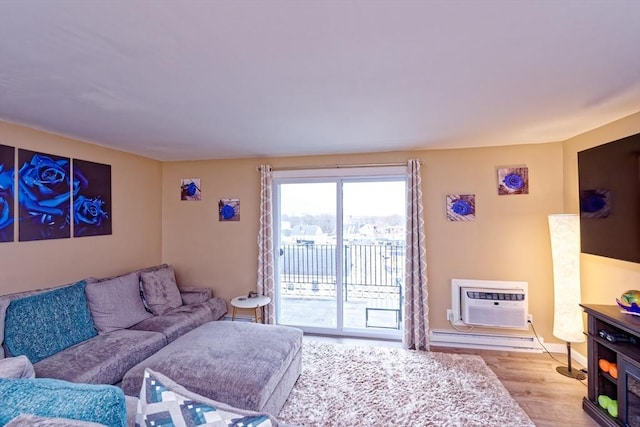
{"type": "Point", "coordinates": [488, 341]}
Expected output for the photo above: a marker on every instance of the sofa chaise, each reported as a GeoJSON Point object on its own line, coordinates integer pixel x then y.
{"type": "Point", "coordinates": [29, 402]}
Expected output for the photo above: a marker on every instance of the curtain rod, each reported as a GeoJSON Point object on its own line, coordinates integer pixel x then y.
{"type": "Point", "coordinates": [358, 165]}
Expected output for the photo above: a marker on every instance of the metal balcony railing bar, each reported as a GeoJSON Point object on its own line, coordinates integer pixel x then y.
{"type": "Point", "coordinates": [372, 273]}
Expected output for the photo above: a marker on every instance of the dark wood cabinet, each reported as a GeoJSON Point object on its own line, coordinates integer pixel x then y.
{"type": "Point", "coordinates": [613, 336]}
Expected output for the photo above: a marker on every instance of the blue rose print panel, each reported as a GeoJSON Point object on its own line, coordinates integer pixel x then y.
{"type": "Point", "coordinates": [513, 181]}
{"type": "Point", "coordinates": [461, 207]}
{"type": "Point", "coordinates": [229, 209]}
{"type": "Point", "coordinates": [44, 196]}
{"type": "Point", "coordinates": [190, 189]}
{"type": "Point", "coordinates": [7, 192]}
{"type": "Point", "coordinates": [92, 199]}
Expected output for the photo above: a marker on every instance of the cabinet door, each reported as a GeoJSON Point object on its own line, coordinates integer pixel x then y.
{"type": "Point", "coordinates": [629, 392]}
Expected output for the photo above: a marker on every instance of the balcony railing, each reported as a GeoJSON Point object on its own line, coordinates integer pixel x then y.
{"type": "Point", "coordinates": [372, 274]}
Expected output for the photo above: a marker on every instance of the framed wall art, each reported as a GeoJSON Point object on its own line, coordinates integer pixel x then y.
{"type": "Point", "coordinates": [7, 191]}
{"type": "Point", "coordinates": [461, 207]}
{"type": "Point", "coordinates": [513, 180]}
{"type": "Point", "coordinates": [190, 189]}
{"type": "Point", "coordinates": [44, 196]}
{"type": "Point", "coordinates": [229, 209]}
{"type": "Point", "coordinates": [91, 199]}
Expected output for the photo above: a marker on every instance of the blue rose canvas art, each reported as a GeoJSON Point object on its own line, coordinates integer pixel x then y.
{"type": "Point", "coordinates": [7, 192]}
{"type": "Point", "coordinates": [44, 196]}
{"type": "Point", "coordinates": [190, 189]}
{"type": "Point", "coordinates": [461, 207]}
{"type": "Point", "coordinates": [92, 199]}
{"type": "Point", "coordinates": [229, 209]}
{"type": "Point", "coordinates": [513, 181]}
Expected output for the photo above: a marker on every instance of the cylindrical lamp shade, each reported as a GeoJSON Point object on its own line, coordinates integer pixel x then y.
{"type": "Point", "coordinates": [565, 251]}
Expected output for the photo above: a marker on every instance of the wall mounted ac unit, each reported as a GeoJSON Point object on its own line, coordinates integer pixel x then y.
{"type": "Point", "coordinates": [504, 308]}
{"type": "Point", "coordinates": [489, 303]}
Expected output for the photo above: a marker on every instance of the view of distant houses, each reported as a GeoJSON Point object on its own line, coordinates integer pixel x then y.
{"type": "Point", "coordinates": [371, 233]}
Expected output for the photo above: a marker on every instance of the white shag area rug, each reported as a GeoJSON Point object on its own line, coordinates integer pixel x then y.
{"type": "Point", "coordinates": [346, 385]}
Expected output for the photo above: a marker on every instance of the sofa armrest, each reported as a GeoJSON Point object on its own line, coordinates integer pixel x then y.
{"type": "Point", "coordinates": [194, 295]}
{"type": "Point", "coordinates": [16, 367]}
{"type": "Point", "coordinates": [54, 399]}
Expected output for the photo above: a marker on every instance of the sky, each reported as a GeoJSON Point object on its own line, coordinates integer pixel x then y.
{"type": "Point", "coordinates": [381, 198]}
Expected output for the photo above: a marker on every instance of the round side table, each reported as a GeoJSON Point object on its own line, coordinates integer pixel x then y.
{"type": "Point", "coordinates": [256, 304]}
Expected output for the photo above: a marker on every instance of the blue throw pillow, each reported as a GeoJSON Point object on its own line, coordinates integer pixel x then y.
{"type": "Point", "coordinates": [43, 324]}
{"type": "Point", "coordinates": [104, 404]}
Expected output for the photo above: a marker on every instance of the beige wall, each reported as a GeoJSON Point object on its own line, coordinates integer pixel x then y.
{"type": "Point", "coordinates": [204, 251]}
{"type": "Point", "coordinates": [507, 241]}
{"type": "Point", "coordinates": [509, 238]}
{"type": "Point", "coordinates": [222, 255]}
{"type": "Point", "coordinates": [136, 239]}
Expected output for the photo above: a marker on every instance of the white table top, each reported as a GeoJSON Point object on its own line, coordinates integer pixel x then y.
{"type": "Point", "coordinates": [245, 302]}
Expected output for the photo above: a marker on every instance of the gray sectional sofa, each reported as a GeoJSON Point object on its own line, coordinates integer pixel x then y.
{"type": "Point", "coordinates": [95, 330]}
{"type": "Point", "coordinates": [85, 338]}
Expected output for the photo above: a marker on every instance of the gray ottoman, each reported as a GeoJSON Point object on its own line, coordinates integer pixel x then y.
{"type": "Point", "coordinates": [246, 365]}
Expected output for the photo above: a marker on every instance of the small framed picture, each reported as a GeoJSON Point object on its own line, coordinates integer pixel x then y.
{"type": "Point", "coordinates": [461, 207]}
{"type": "Point", "coordinates": [190, 189]}
{"type": "Point", "coordinates": [513, 181]}
{"type": "Point", "coordinates": [229, 209]}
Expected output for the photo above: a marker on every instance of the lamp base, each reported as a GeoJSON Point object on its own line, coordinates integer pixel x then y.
{"type": "Point", "coordinates": [574, 373]}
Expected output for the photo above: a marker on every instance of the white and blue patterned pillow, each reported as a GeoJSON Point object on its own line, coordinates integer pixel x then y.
{"type": "Point", "coordinates": [162, 406]}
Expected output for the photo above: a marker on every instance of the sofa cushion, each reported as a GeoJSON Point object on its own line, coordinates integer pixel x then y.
{"type": "Point", "coordinates": [193, 295]}
{"type": "Point", "coordinates": [160, 290]}
{"type": "Point", "coordinates": [43, 324]}
{"type": "Point", "coordinates": [103, 359]}
{"type": "Point", "coordinates": [218, 307]}
{"type": "Point", "coordinates": [115, 303]}
{"type": "Point", "coordinates": [47, 397]}
{"type": "Point", "coordinates": [163, 402]}
{"type": "Point", "coordinates": [178, 321]}
{"type": "Point", "coordinates": [16, 367]}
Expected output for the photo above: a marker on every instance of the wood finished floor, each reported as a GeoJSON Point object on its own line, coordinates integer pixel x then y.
{"type": "Point", "coordinates": [550, 399]}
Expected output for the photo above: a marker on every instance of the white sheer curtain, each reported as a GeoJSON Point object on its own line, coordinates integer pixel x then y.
{"type": "Point", "coordinates": [416, 310]}
{"type": "Point", "coordinates": [265, 243]}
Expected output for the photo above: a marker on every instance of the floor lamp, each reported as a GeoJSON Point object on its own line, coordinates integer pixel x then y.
{"type": "Point", "coordinates": [567, 315]}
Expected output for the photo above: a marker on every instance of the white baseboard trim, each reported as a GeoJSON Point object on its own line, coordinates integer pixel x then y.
{"type": "Point", "coordinates": [488, 341]}
{"type": "Point", "coordinates": [579, 357]}
{"type": "Point", "coordinates": [562, 348]}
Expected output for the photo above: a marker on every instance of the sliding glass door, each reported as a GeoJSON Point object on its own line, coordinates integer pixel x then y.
{"type": "Point", "coordinates": [373, 240]}
{"type": "Point", "coordinates": [340, 256]}
{"type": "Point", "coordinates": [308, 279]}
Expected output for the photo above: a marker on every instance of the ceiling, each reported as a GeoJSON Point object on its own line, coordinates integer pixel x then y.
{"type": "Point", "coordinates": [183, 80]}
